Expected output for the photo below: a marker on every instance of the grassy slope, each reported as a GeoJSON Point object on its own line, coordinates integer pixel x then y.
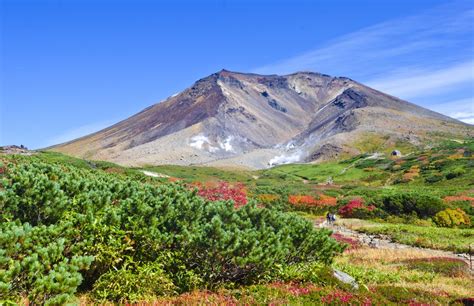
{"type": "Point", "coordinates": [197, 173]}
{"type": "Point", "coordinates": [449, 239]}
{"type": "Point", "coordinates": [425, 169]}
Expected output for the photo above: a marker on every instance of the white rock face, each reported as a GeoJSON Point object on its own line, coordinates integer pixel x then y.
{"type": "Point", "coordinates": [199, 141]}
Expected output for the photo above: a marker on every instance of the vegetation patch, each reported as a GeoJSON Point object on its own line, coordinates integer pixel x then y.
{"type": "Point", "coordinates": [63, 226]}
{"type": "Point", "coordinates": [442, 265]}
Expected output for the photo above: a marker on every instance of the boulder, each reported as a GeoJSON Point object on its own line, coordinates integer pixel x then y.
{"type": "Point", "coordinates": [346, 278]}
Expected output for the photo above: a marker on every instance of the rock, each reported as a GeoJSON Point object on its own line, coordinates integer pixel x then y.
{"type": "Point", "coordinates": [346, 278]}
{"type": "Point", "coordinates": [14, 149]}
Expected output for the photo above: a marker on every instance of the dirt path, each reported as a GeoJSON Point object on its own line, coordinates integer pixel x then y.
{"type": "Point", "coordinates": [385, 242]}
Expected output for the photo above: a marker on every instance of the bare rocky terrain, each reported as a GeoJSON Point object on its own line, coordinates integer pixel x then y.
{"type": "Point", "coordinates": [256, 121]}
{"type": "Point", "coordinates": [14, 149]}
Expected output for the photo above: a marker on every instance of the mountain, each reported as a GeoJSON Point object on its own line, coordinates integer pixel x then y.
{"type": "Point", "coordinates": [256, 121]}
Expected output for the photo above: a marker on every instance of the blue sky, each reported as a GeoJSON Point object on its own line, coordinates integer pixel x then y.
{"type": "Point", "coordinates": [69, 68]}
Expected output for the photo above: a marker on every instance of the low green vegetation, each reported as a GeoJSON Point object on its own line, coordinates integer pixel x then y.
{"type": "Point", "coordinates": [63, 227]}
{"type": "Point", "coordinates": [202, 174]}
{"type": "Point", "coordinates": [77, 231]}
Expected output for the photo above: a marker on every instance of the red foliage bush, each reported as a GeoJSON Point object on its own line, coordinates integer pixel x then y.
{"type": "Point", "coordinates": [352, 243]}
{"type": "Point", "coordinates": [223, 191]}
{"type": "Point", "coordinates": [348, 210]}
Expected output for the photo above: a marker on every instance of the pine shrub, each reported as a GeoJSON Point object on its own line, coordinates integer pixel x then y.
{"type": "Point", "coordinates": [65, 229]}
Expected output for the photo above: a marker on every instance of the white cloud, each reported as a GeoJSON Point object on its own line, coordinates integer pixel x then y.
{"type": "Point", "coordinates": [462, 109]}
{"type": "Point", "coordinates": [415, 83]}
{"type": "Point", "coordinates": [440, 30]}
{"type": "Point", "coordinates": [77, 132]}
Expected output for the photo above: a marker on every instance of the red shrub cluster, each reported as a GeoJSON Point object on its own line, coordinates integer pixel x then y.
{"type": "Point", "coordinates": [197, 297]}
{"type": "Point", "coordinates": [298, 291]}
{"type": "Point", "coordinates": [352, 243]}
{"type": "Point", "coordinates": [223, 191]}
{"type": "Point", "coordinates": [338, 297]}
{"type": "Point", "coordinates": [355, 204]}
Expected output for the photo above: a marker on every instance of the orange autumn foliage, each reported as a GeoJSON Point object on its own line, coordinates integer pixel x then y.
{"type": "Point", "coordinates": [459, 198]}
{"type": "Point", "coordinates": [307, 200]}
{"type": "Point", "coordinates": [301, 200]}
{"type": "Point", "coordinates": [413, 172]}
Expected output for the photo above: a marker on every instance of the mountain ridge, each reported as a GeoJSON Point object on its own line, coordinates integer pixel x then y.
{"type": "Point", "coordinates": [250, 120]}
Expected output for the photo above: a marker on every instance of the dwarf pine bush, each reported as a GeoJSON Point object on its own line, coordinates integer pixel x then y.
{"type": "Point", "coordinates": [65, 229]}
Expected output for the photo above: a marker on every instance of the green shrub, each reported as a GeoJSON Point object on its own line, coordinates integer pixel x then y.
{"type": "Point", "coordinates": [367, 275]}
{"type": "Point", "coordinates": [452, 218]}
{"type": "Point", "coordinates": [467, 206]}
{"type": "Point", "coordinates": [304, 273]}
{"type": "Point", "coordinates": [93, 224]}
{"type": "Point", "coordinates": [433, 178]}
{"type": "Point", "coordinates": [455, 173]}
{"type": "Point", "coordinates": [404, 203]}
{"type": "Point", "coordinates": [133, 282]}
{"type": "Point", "coordinates": [39, 262]}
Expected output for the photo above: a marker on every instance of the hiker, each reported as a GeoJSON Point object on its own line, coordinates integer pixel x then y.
{"type": "Point", "coordinates": [328, 218]}
{"type": "Point", "coordinates": [333, 218]}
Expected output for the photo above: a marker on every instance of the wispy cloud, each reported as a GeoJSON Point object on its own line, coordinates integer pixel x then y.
{"type": "Point", "coordinates": [417, 82]}
{"type": "Point", "coordinates": [462, 109]}
{"type": "Point", "coordinates": [410, 57]}
{"type": "Point", "coordinates": [77, 132]}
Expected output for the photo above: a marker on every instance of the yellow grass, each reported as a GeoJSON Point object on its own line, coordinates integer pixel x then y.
{"type": "Point", "coordinates": [391, 260]}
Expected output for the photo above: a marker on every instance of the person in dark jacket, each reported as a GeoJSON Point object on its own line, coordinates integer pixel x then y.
{"type": "Point", "coordinates": [329, 217]}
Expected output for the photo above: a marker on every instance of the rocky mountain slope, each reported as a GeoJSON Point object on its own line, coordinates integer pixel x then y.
{"type": "Point", "coordinates": [256, 121]}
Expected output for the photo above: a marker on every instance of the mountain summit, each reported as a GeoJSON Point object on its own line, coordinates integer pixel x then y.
{"type": "Point", "coordinates": [256, 121]}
